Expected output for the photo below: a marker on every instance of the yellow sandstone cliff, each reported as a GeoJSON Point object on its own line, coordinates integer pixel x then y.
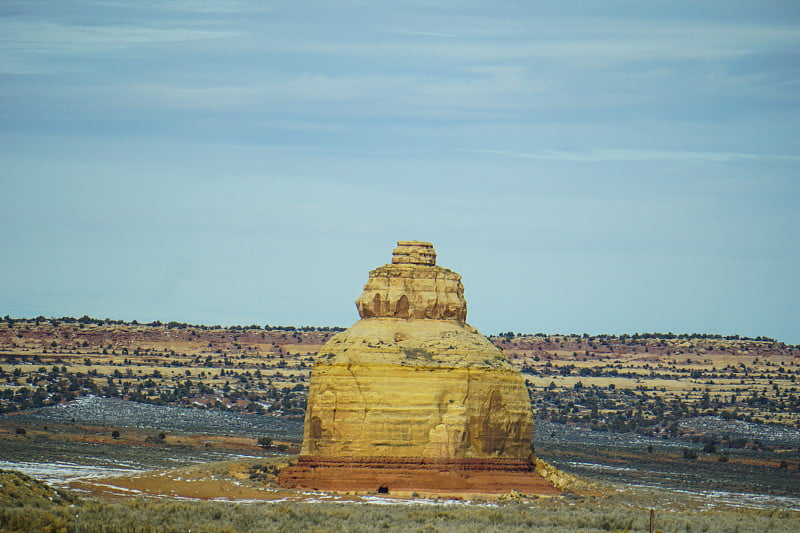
{"type": "Point", "coordinates": [413, 397]}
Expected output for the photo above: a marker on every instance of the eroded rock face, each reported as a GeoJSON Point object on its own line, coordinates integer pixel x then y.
{"type": "Point", "coordinates": [412, 287]}
{"type": "Point", "coordinates": [411, 382]}
{"type": "Point", "coordinates": [390, 387]}
{"type": "Point", "coordinates": [414, 253]}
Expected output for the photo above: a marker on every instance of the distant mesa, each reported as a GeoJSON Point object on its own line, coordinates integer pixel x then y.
{"type": "Point", "coordinates": [412, 398]}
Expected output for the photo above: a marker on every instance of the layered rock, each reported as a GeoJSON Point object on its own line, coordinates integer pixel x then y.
{"type": "Point", "coordinates": [412, 385]}
{"type": "Point", "coordinates": [389, 387]}
{"type": "Point", "coordinates": [412, 287]}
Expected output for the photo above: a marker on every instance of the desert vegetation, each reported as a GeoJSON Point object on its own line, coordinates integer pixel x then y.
{"type": "Point", "coordinates": [648, 383]}
{"type": "Point", "coordinates": [653, 384]}
{"type": "Point", "coordinates": [700, 413]}
{"type": "Point", "coordinates": [641, 382]}
{"type": "Point", "coordinates": [247, 369]}
{"type": "Point", "coordinates": [29, 505]}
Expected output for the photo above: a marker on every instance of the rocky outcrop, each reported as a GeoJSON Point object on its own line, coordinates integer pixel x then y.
{"type": "Point", "coordinates": [417, 476]}
{"type": "Point", "coordinates": [413, 287]}
{"type": "Point", "coordinates": [388, 387]}
{"type": "Point", "coordinates": [412, 385]}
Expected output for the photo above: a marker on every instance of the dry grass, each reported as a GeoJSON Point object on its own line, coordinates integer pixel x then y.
{"type": "Point", "coordinates": [546, 516]}
{"type": "Point", "coordinates": [231, 480]}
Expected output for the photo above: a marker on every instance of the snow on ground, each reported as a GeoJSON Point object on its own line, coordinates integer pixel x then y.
{"type": "Point", "coordinates": [122, 413]}
{"type": "Point", "coordinates": [59, 474]}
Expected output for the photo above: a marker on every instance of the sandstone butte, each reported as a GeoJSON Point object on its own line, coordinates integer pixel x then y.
{"type": "Point", "coordinates": [413, 399]}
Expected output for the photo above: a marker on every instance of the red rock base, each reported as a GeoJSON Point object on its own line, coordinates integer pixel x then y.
{"type": "Point", "coordinates": [390, 475]}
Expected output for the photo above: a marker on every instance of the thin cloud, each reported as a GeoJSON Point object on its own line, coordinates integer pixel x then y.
{"type": "Point", "coordinates": [192, 6]}
{"type": "Point", "coordinates": [26, 45]}
{"type": "Point", "coordinates": [420, 33]}
{"type": "Point", "coordinates": [477, 89]}
{"type": "Point", "coordinates": [41, 35]}
{"type": "Point", "coordinates": [600, 155]}
{"type": "Point", "coordinates": [599, 40]}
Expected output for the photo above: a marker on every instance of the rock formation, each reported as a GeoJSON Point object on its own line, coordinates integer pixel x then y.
{"type": "Point", "coordinates": [412, 286]}
{"type": "Point", "coordinates": [412, 398]}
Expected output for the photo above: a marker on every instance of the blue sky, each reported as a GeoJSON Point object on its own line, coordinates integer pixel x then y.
{"type": "Point", "coordinates": [600, 167]}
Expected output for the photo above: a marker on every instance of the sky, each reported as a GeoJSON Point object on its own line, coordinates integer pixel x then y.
{"type": "Point", "coordinates": [587, 167]}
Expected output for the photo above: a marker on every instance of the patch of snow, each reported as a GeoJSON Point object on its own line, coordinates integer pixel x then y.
{"type": "Point", "coordinates": [601, 467]}
{"type": "Point", "coordinates": [60, 474]}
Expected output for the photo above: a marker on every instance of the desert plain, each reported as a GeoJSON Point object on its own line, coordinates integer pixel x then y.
{"type": "Point", "coordinates": [131, 419]}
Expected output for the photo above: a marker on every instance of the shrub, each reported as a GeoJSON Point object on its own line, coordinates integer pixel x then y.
{"type": "Point", "coordinates": [223, 517]}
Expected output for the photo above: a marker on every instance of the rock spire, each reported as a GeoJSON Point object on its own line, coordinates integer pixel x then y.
{"type": "Point", "coordinates": [413, 398]}
{"type": "Point", "coordinates": [414, 253]}
{"type": "Point", "coordinates": [413, 287]}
